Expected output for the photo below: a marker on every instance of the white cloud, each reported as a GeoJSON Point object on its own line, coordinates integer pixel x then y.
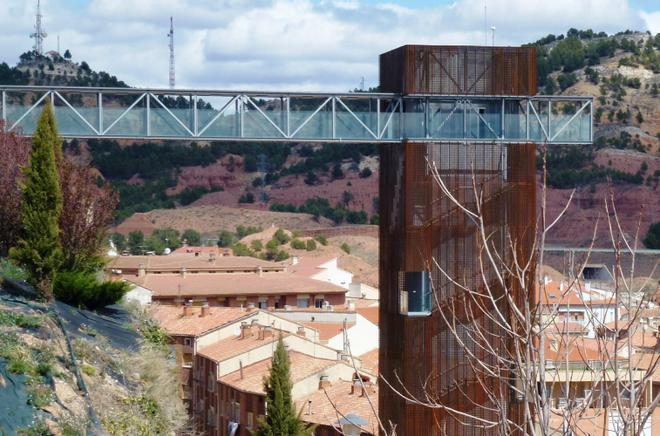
{"type": "Point", "coordinates": [286, 44]}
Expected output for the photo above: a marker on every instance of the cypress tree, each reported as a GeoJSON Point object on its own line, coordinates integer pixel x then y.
{"type": "Point", "coordinates": [39, 249]}
{"type": "Point", "coordinates": [281, 418]}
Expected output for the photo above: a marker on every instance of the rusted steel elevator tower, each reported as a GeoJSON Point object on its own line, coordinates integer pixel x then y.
{"type": "Point", "coordinates": [419, 223]}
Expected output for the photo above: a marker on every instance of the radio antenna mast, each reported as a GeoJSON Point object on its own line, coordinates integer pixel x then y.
{"type": "Point", "coordinates": [171, 36]}
{"type": "Point", "coordinates": [39, 33]}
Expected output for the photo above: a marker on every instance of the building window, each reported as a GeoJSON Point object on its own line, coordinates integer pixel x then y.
{"type": "Point", "coordinates": [250, 418]}
{"type": "Point", "coordinates": [210, 385]}
{"type": "Point", "coordinates": [263, 303]}
{"type": "Point", "coordinates": [415, 296]}
{"type": "Point", "coordinates": [318, 303]}
{"type": "Point", "coordinates": [303, 302]}
{"type": "Point", "coordinates": [187, 342]}
{"type": "Point", "coordinates": [236, 412]}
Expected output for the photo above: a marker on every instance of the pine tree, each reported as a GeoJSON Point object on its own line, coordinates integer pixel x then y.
{"type": "Point", "coordinates": [281, 418]}
{"type": "Point", "coordinates": [39, 249]}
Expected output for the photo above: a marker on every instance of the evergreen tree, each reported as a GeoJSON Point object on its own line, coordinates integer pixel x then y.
{"type": "Point", "coordinates": [281, 418]}
{"type": "Point", "coordinates": [39, 249]}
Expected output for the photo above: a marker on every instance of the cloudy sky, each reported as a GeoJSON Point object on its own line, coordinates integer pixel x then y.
{"type": "Point", "coordinates": [289, 44]}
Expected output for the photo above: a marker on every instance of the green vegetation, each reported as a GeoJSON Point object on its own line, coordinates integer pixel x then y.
{"type": "Point", "coordinates": [652, 238]}
{"type": "Point", "coordinates": [82, 289]}
{"type": "Point", "coordinates": [35, 364]}
{"type": "Point", "coordinates": [346, 248]}
{"type": "Point", "coordinates": [572, 166]}
{"type": "Point", "coordinates": [310, 245]}
{"type": "Point", "coordinates": [39, 250]}
{"type": "Point", "coordinates": [21, 320]}
{"type": "Point", "coordinates": [321, 240]}
{"type": "Point", "coordinates": [192, 237]}
{"type": "Point", "coordinates": [10, 270]}
{"type": "Point", "coordinates": [280, 418]}
{"type": "Point", "coordinates": [297, 244]}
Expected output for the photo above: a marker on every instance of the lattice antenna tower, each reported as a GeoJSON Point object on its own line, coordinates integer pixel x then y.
{"type": "Point", "coordinates": [39, 33]}
{"type": "Point", "coordinates": [171, 36]}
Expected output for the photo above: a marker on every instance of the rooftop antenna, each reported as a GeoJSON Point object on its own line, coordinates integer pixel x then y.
{"type": "Point", "coordinates": [492, 29]}
{"type": "Point", "coordinates": [39, 33]}
{"type": "Point", "coordinates": [485, 24]}
{"type": "Point", "coordinates": [171, 36]}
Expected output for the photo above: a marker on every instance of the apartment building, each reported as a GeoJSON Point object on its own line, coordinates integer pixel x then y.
{"type": "Point", "coordinates": [226, 281]}
{"type": "Point", "coordinates": [228, 395]}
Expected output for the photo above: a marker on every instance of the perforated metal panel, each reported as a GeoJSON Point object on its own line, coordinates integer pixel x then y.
{"type": "Point", "coordinates": [454, 70]}
{"type": "Point", "coordinates": [420, 225]}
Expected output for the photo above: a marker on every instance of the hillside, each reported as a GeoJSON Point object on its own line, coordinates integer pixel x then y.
{"type": "Point", "coordinates": [339, 182]}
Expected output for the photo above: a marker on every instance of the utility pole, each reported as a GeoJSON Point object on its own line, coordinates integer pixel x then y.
{"type": "Point", "coordinates": [39, 33]}
{"type": "Point", "coordinates": [171, 36]}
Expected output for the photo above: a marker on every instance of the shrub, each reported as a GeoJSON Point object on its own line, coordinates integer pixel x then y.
{"type": "Point", "coordinates": [257, 245]}
{"type": "Point", "coordinates": [246, 198]}
{"type": "Point", "coordinates": [242, 250]}
{"type": "Point", "coordinates": [366, 172]}
{"type": "Point", "coordinates": [297, 244]}
{"type": "Point", "coordinates": [281, 237]}
{"type": "Point", "coordinates": [322, 240]}
{"type": "Point", "coordinates": [652, 238]}
{"type": "Point", "coordinates": [83, 289]}
{"type": "Point", "coordinates": [225, 238]}
{"type": "Point", "coordinates": [346, 248]}
{"type": "Point", "coordinates": [88, 369]}
{"type": "Point", "coordinates": [311, 245]}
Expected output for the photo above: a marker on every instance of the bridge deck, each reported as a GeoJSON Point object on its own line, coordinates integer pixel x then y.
{"type": "Point", "coordinates": [299, 117]}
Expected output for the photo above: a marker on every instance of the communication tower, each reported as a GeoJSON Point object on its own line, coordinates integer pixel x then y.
{"type": "Point", "coordinates": [39, 33]}
{"type": "Point", "coordinates": [171, 36]}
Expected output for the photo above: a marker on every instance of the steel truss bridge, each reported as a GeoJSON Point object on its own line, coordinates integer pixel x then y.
{"type": "Point", "coordinates": [130, 113]}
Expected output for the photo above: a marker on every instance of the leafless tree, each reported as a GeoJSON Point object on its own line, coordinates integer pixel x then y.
{"type": "Point", "coordinates": [538, 376]}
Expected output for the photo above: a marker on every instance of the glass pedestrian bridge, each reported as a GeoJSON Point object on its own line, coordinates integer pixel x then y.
{"type": "Point", "coordinates": [298, 117]}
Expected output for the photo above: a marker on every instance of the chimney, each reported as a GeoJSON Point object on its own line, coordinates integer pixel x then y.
{"type": "Point", "coordinates": [240, 367]}
{"type": "Point", "coordinates": [309, 407]}
{"type": "Point", "coordinates": [301, 331]}
{"type": "Point", "coordinates": [183, 272]}
{"type": "Point", "coordinates": [141, 270]}
{"type": "Point", "coordinates": [324, 383]}
{"type": "Point", "coordinates": [561, 286]}
{"type": "Point", "coordinates": [206, 310]}
{"type": "Point", "coordinates": [188, 309]}
{"type": "Point", "coordinates": [246, 330]}
{"type": "Point", "coordinates": [260, 271]}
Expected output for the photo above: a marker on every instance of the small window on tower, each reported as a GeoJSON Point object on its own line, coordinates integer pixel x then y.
{"type": "Point", "coordinates": [415, 295]}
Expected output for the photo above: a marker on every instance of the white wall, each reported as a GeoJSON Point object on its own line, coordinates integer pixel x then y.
{"type": "Point", "coordinates": [330, 272]}
{"type": "Point", "coordinates": [139, 294]}
{"type": "Point", "coordinates": [362, 290]}
{"type": "Point", "coordinates": [363, 337]}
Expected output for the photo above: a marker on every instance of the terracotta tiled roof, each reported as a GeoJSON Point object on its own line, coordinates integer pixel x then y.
{"type": "Point", "coordinates": [235, 345]}
{"type": "Point", "coordinates": [188, 249]}
{"type": "Point", "coordinates": [578, 295]}
{"type": "Point", "coordinates": [274, 283]}
{"type": "Point", "coordinates": [174, 263]}
{"type": "Point", "coordinates": [370, 361]}
{"type": "Point", "coordinates": [327, 330]}
{"type": "Point", "coordinates": [561, 348]}
{"type": "Point", "coordinates": [302, 366]}
{"type": "Point", "coordinates": [370, 313]}
{"type": "Point", "coordinates": [308, 266]}
{"type": "Point", "coordinates": [568, 327]}
{"type": "Point", "coordinates": [174, 323]}
{"type": "Point", "coordinates": [336, 401]}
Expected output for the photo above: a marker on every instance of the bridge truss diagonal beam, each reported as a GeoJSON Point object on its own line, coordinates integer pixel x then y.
{"type": "Point", "coordinates": [299, 117]}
